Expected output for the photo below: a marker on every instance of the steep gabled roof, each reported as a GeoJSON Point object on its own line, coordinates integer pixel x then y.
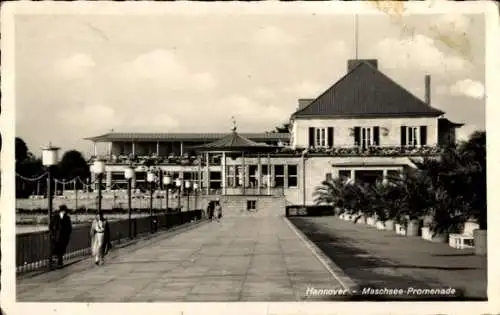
{"type": "Point", "coordinates": [366, 92]}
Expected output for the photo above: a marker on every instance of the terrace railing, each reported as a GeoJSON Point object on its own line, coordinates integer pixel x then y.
{"type": "Point", "coordinates": [33, 249]}
{"type": "Point", "coordinates": [332, 151]}
{"type": "Point", "coordinates": [370, 151]}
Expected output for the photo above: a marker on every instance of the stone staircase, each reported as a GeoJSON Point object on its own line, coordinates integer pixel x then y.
{"type": "Point", "coordinates": [265, 206]}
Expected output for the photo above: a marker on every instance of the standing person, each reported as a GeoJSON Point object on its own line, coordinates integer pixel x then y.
{"type": "Point", "coordinates": [60, 231]}
{"type": "Point", "coordinates": [212, 205]}
{"type": "Point", "coordinates": [217, 211]}
{"type": "Point", "coordinates": [100, 240]}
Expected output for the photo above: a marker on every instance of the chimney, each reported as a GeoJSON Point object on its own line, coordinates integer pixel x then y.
{"type": "Point", "coordinates": [428, 89]}
{"type": "Point", "coordinates": [353, 63]}
{"type": "Point", "coordinates": [303, 102]}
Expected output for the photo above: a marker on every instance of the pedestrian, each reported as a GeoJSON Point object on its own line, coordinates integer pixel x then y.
{"type": "Point", "coordinates": [211, 210]}
{"type": "Point", "coordinates": [217, 211]}
{"type": "Point", "coordinates": [60, 230]}
{"type": "Point", "coordinates": [100, 239]}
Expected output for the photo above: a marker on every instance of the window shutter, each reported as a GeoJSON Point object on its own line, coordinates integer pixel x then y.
{"type": "Point", "coordinates": [376, 136]}
{"type": "Point", "coordinates": [357, 135]}
{"type": "Point", "coordinates": [330, 136]}
{"type": "Point", "coordinates": [311, 136]}
{"type": "Point", "coordinates": [423, 135]}
{"type": "Point", "coordinates": [403, 135]}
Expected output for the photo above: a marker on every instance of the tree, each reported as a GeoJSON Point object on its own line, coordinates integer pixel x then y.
{"type": "Point", "coordinates": [21, 150]}
{"type": "Point", "coordinates": [73, 165]}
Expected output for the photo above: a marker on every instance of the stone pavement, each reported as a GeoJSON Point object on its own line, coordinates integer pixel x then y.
{"type": "Point", "coordinates": [374, 258]}
{"type": "Point", "coordinates": [238, 259]}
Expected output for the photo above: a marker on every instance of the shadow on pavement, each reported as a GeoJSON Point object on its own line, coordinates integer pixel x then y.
{"type": "Point", "coordinates": [370, 271]}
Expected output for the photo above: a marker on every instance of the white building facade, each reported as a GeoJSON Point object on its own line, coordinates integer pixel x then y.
{"type": "Point", "coordinates": [364, 127]}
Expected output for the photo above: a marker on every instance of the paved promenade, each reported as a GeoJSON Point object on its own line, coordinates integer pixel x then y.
{"type": "Point", "coordinates": [239, 259]}
{"type": "Point", "coordinates": [381, 259]}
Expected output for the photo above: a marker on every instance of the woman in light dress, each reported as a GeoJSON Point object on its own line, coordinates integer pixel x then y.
{"type": "Point", "coordinates": [217, 211]}
{"type": "Point", "coordinates": [99, 235]}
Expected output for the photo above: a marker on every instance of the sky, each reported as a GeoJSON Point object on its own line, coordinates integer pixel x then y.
{"type": "Point", "coordinates": [80, 75]}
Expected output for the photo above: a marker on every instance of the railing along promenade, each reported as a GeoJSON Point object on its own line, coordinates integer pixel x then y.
{"type": "Point", "coordinates": [33, 249]}
{"type": "Point", "coordinates": [342, 151]}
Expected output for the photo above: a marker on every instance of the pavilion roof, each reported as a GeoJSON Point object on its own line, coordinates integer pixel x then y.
{"type": "Point", "coordinates": [234, 142]}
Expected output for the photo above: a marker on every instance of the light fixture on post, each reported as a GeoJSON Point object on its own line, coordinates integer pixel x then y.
{"type": "Point", "coordinates": [151, 179]}
{"type": "Point", "coordinates": [50, 157]}
{"type": "Point", "coordinates": [187, 185]}
{"type": "Point", "coordinates": [167, 181]}
{"type": "Point", "coordinates": [99, 168]}
{"type": "Point", "coordinates": [129, 175]}
{"type": "Point", "coordinates": [178, 184]}
{"type": "Point", "coordinates": [195, 189]}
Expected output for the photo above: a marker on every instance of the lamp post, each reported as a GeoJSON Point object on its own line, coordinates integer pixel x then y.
{"type": "Point", "coordinates": [50, 157]}
{"type": "Point", "coordinates": [99, 167]}
{"type": "Point", "coordinates": [151, 179]}
{"type": "Point", "coordinates": [187, 185]}
{"type": "Point", "coordinates": [167, 181]}
{"type": "Point", "coordinates": [195, 188]}
{"type": "Point", "coordinates": [129, 174]}
{"type": "Point", "coordinates": [178, 184]}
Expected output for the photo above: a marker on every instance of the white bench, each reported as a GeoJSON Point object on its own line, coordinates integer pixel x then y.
{"type": "Point", "coordinates": [466, 239]}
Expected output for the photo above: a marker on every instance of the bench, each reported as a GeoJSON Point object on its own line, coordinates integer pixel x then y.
{"type": "Point", "coordinates": [466, 239]}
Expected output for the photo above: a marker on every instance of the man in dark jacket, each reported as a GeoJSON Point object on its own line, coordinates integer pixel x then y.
{"type": "Point", "coordinates": [60, 234]}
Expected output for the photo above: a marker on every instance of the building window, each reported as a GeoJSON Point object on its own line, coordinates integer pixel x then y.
{"type": "Point", "coordinates": [231, 176]}
{"type": "Point", "coordinates": [320, 137]}
{"type": "Point", "coordinates": [253, 175]}
{"type": "Point", "coordinates": [215, 180]}
{"type": "Point", "coordinates": [328, 177]}
{"type": "Point", "coordinates": [251, 204]}
{"type": "Point", "coordinates": [279, 176]}
{"type": "Point", "coordinates": [265, 173]}
{"type": "Point", "coordinates": [412, 136]}
{"type": "Point", "coordinates": [292, 176]}
{"type": "Point", "coordinates": [345, 175]}
{"type": "Point", "coordinates": [366, 137]}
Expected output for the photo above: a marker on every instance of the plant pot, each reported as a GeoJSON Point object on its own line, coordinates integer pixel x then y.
{"type": "Point", "coordinates": [427, 235]}
{"type": "Point", "coordinates": [400, 229]}
{"type": "Point", "coordinates": [480, 242]}
{"type": "Point", "coordinates": [380, 225]}
{"type": "Point", "coordinates": [371, 221]}
{"type": "Point", "coordinates": [413, 228]}
{"type": "Point", "coordinates": [389, 225]}
{"type": "Point", "coordinates": [361, 220]}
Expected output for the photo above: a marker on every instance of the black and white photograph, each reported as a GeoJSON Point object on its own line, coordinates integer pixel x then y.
{"type": "Point", "coordinates": [246, 153]}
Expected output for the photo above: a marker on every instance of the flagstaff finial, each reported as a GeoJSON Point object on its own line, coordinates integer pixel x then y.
{"type": "Point", "coordinates": [234, 124]}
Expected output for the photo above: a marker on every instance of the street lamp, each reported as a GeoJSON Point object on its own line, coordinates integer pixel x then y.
{"type": "Point", "coordinates": [129, 174]}
{"type": "Point", "coordinates": [195, 188]}
{"type": "Point", "coordinates": [187, 184]}
{"type": "Point", "coordinates": [178, 184]}
{"type": "Point", "coordinates": [167, 181]}
{"type": "Point", "coordinates": [151, 178]}
{"type": "Point", "coordinates": [50, 157]}
{"type": "Point", "coordinates": [98, 168]}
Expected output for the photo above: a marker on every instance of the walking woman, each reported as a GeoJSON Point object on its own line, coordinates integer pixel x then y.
{"type": "Point", "coordinates": [217, 211]}
{"type": "Point", "coordinates": [99, 235]}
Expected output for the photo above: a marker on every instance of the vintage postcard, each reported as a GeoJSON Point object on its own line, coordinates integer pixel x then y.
{"type": "Point", "coordinates": [307, 157]}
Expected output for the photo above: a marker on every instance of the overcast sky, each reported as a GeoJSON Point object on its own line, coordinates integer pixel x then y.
{"type": "Point", "coordinates": [82, 75]}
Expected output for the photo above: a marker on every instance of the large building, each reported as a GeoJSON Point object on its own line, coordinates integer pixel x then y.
{"type": "Point", "coordinates": [364, 127]}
